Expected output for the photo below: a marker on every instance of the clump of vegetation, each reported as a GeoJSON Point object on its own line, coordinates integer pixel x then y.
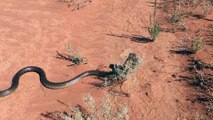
{"type": "Point", "coordinates": [154, 27]}
{"type": "Point", "coordinates": [190, 45]}
{"type": "Point", "coordinates": [77, 4]}
{"type": "Point", "coordinates": [203, 78]}
{"type": "Point", "coordinates": [177, 15]}
{"type": "Point", "coordinates": [119, 73]}
{"type": "Point", "coordinates": [174, 15]}
{"type": "Point", "coordinates": [154, 30]}
{"type": "Point", "coordinates": [77, 59]}
{"type": "Point", "coordinates": [207, 34]}
{"type": "Point", "coordinates": [105, 111]}
{"type": "Point", "coordinates": [177, 10]}
{"type": "Point", "coordinates": [198, 8]}
{"type": "Point", "coordinates": [72, 56]}
{"type": "Point", "coordinates": [200, 77]}
{"type": "Point", "coordinates": [196, 45]}
{"type": "Point", "coordinates": [206, 8]}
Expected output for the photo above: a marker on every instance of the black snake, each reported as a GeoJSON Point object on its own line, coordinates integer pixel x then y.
{"type": "Point", "coordinates": [111, 76]}
{"type": "Point", "coordinates": [43, 79]}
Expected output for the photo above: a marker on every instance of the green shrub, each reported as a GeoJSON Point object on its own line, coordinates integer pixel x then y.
{"type": "Point", "coordinates": [154, 29]}
{"type": "Point", "coordinates": [196, 45]}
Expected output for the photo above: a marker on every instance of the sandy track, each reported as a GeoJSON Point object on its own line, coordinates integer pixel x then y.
{"type": "Point", "coordinates": [32, 31]}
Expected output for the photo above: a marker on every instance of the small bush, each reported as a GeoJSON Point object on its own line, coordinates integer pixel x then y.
{"type": "Point", "coordinates": [177, 15]}
{"type": "Point", "coordinates": [92, 112]}
{"type": "Point", "coordinates": [191, 44]}
{"type": "Point", "coordinates": [154, 29]}
{"type": "Point", "coordinates": [72, 56]}
{"type": "Point", "coordinates": [119, 73]}
{"type": "Point", "coordinates": [206, 8]}
{"type": "Point", "coordinates": [196, 45]}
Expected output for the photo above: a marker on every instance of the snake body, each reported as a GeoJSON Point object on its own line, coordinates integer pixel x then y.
{"type": "Point", "coordinates": [43, 79]}
{"type": "Point", "coordinates": [117, 74]}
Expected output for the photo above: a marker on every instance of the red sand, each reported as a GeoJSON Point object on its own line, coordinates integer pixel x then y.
{"type": "Point", "coordinates": [32, 31]}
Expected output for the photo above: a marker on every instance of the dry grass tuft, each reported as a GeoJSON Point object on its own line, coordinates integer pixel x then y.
{"type": "Point", "coordinates": [77, 4]}
{"type": "Point", "coordinates": [72, 56]}
{"type": "Point", "coordinates": [105, 111]}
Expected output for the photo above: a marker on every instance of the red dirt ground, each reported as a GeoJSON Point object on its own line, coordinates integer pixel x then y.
{"type": "Point", "coordinates": [31, 31]}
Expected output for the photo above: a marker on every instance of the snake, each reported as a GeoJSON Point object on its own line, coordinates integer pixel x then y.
{"type": "Point", "coordinates": [115, 75]}
{"type": "Point", "coordinates": [44, 81]}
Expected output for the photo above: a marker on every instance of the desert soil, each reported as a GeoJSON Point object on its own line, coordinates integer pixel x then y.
{"type": "Point", "coordinates": [31, 31]}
